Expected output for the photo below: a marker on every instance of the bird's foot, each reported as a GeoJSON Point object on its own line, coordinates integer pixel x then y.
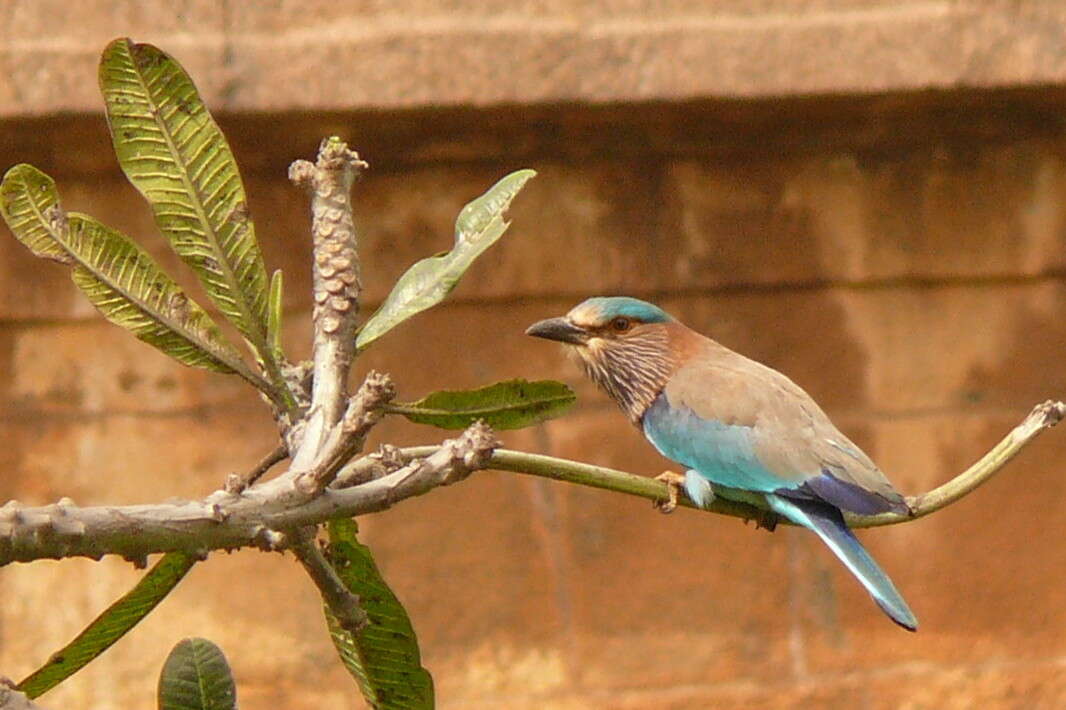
{"type": "Point", "coordinates": [674, 481]}
{"type": "Point", "coordinates": [768, 521]}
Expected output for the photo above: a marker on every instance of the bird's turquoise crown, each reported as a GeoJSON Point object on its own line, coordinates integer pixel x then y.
{"type": "Point", "coordinates": [604, 308]}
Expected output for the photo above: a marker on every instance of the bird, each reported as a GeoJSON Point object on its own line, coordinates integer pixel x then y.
{"type": "Point", "coordinates": [738, 427]}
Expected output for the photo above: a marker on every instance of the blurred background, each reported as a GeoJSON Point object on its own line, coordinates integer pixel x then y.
{"type": "Point", "coordinates": [865, 195]}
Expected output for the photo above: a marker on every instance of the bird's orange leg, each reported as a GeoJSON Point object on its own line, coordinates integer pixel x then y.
{"type": "Point", "coordinates": [673, 481]}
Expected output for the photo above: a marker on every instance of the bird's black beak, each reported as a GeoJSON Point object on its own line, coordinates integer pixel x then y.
{"type": "Point", "coordinates": [558, 329]}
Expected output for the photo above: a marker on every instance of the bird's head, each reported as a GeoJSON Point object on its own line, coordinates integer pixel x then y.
{"type": "Point", "coordinates": [623, 344]}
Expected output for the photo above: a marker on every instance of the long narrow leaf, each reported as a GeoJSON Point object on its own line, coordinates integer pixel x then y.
{"type": "Point", "coordinates": [274, 316]}
{"type": "Point", "coordinates": [117, 276]}
{"type": "Point", "coordinates": [172, 150]}
{"type": "Point", "coordinates": [384, 657]}
{"type": "Point", "coordinates": [110, 626]}
{"type": "Point", "coordinates": [196, 676]}
{"type": "Point", "coordinates": [504, 405]}
{"type": "Point", "coordinates": [427, 282]}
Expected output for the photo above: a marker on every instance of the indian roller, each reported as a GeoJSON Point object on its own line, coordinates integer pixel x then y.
{"type": "Point", "coordinates": [734, 423]}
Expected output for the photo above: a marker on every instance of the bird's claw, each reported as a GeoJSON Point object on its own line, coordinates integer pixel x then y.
{"type": "Point", "coordinates": [673, 482]}
{"type": "Point", "coordinates": [768, 521]}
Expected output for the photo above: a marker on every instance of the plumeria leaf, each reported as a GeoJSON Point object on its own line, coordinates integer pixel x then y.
{"type": "Point", "coordinates": [196, 676]}
{"type": "Point", "coordinates": [110, 626]}
{"type": "Point", "coordinates": [274, 317]}
{"type": "Point", "coordinates": [384, 657]}
{"type": "Point", "coordinates": [173, 152]}
{"type": "Point", "coordinates": [117, 276]}
{"type": "Point", "coordinates": [504, 405]}
{"type": "Point", "coordinates": [427, 282]}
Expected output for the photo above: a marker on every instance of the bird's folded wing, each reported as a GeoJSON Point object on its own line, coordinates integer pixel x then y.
{"type": "Point", "coordinates": [771, 435]}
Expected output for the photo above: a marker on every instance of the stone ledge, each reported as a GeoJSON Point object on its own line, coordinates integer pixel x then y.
{"type": "Point", "coordinates": [293, 57]}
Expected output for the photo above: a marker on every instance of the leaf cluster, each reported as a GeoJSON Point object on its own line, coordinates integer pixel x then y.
{"type": "Point", "coordinates": [173, 152]}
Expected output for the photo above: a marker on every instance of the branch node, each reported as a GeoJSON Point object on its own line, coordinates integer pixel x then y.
{"type": "Point", "coordinates": [1049, 413]}
{"type": "Point", "coordinates": [235, 484]}
{"type": "Point", "coordinates": [364, 410]}
{"type": "Point", "coordinates": [302, 173]}
{"type": "Point", "coordinates": [271, 540]}
{"type": "Point", "coordinates": [217, 512]}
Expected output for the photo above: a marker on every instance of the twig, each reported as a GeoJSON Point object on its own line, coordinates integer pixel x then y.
{"type": "Point", "coordinates": [380, 463]}
{"type": "Point", "coordinates": [235, 483]}
{"type": "Point", "coordinates": [259, 517]}
{"type": "Point", "coordinates": [336, 286]}
{"type": "Point", "coordinates": [343, 604]}
{"type": "Point", "coordinates": [1043, 416]}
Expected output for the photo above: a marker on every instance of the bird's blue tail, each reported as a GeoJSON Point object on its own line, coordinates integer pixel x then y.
{"type": "Point", "coordinates": [828, 522]}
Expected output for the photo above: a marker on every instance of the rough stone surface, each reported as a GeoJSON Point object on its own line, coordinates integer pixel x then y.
{"type": "Point", "coordinates": [319, 55]}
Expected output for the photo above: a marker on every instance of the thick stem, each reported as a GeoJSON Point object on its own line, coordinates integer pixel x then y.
{"type": "Point", "coordinates": [346, 438]}
{"type": "Point", "coordinates": [336, 287]}
{"type": "Point", "coordinates": [260, 517]}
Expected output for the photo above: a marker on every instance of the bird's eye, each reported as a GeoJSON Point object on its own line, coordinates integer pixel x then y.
{"type": "Point", "coordinates": [621, 324]}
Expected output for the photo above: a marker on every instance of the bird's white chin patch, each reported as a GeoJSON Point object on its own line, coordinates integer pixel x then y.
{"type": "Point", "coordinates": [574, 353]}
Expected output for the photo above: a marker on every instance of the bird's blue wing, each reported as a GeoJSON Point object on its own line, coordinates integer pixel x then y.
{"type": "Point", "coordinates": [724, 454]}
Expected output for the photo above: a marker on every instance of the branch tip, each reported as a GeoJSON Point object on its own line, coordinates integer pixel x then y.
{"type": "Point", "coordinates": [302, 174]}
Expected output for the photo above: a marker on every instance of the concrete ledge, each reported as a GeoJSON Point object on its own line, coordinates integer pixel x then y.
{"type": "Point", "coordinates": [310, 55]}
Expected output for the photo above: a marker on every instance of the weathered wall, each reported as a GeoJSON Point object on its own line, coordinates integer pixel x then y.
{"type": "Point", "coordinates": [902, 256]}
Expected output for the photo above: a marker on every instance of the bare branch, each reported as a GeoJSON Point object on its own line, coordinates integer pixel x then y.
{"type": "Point", "coordinates": [263, 516]}
{"type": "Point", "coordinates": [1043, 416]}
{"type": "Point", "coordinates": [380, 463]}
{"type": "Point", "coordinates": [342, 602]}
{"type": "Point", "coordinates": [236, 483]}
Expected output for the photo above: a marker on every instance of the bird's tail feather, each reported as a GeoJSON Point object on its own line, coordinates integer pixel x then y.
{"type": "Point", "coordinates": [828, 523]}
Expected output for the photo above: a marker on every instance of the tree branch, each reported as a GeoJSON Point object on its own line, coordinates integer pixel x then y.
{"type": "Point", "coordinates": [753, 507]}
{"type": "Point", "coordinates": [342, 602]}
{"type": "Point", "coordinates": [236, 483]}
{"type": "Point", "coordinates": [263, 516]}
{"type": "Point", "coordinates": [336, 287]}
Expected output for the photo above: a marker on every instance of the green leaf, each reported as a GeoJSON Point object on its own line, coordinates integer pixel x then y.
{"type": "Point", "coordinates": [173, 152]}
{"type": "Point", "coordinates": [384, 657]}
{"type": "Point", "coordinates": [274, 317]}
{"type": "Point", "coordinates": [110, 626]}
{"type": "Point", "coordinates": [117, 276]}
{"type": "Point", "coordinates": [196, 676]}
{"type": "Point", "coordinates": [505, 405]}
{"type": "Point", "coordinates": [428, 281]}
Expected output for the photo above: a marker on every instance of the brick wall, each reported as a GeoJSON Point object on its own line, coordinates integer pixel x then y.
{"type": "Point", "coordinates": [901, 255]}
